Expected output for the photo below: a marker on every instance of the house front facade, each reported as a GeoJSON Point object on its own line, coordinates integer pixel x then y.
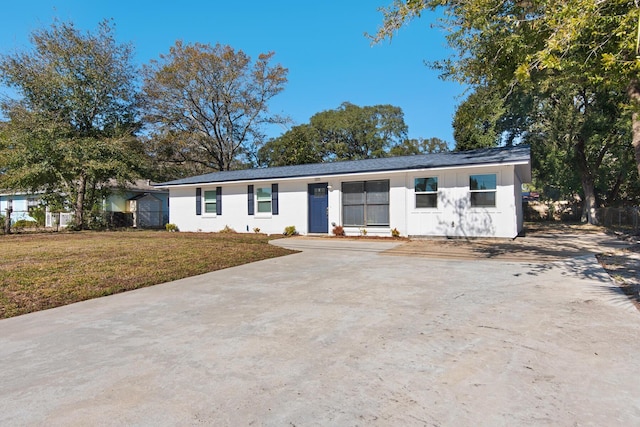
{"type": "Point", "coordinates": [463, 194]}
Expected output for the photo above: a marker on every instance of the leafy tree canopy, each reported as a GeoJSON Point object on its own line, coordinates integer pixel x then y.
{"type": "Point", "coordinates": [410, 147]}
{"type": "Point", "coordinates": [72, 129]}
{"type": "Point", "coordinates": [298, 146]}
{"type": "Point", "coordinates": [206, 105]}
{"type": "Point", "coordinates": [349, 132]}
{"type": "Point", "coordinates": [531, 62]}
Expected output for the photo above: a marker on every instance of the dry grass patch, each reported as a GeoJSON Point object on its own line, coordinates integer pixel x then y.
{"type": "Point", "coordinates": [40, 271]}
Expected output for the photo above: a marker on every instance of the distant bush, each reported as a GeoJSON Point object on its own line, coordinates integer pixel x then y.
{"type": "Point", "coordinates": [24, 223]}
{"type": "Point", "coordinates": [38, 213]}
{"type": "Point", "coordinates": [290, 230]}
{"type": "Point", "coordinates": [338, 230]}
{"type": "Point", "coordinates": [97, 221]}
{"type": "Point", "coordinates": [171, 227]}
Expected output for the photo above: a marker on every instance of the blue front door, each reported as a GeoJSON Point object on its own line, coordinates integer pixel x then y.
{"type": "Point", "coordinates": [318, 208]}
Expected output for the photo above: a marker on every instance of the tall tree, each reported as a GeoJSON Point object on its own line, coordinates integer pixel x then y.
{"type": "Point", "coordinates": [206, 105]}
{"type": "Point", "coordinates": [351, 132]}
{"type": "Point", "coordinates": [73, 128]}
{"type": "Point", "coordinates": [541, 48]}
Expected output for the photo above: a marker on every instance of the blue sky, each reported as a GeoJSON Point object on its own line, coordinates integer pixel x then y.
{"type": "Point", "coordinates": [322, 43]}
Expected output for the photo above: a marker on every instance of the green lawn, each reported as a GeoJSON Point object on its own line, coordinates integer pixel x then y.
{"type": "Point", "coordinates": [45, 270]}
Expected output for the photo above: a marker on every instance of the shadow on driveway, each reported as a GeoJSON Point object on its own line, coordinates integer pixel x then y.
{"type": "Point", "coordinates": [539, 248]}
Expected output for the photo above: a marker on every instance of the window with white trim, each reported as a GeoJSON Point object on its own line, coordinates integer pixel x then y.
{"type": "Point", "coordinates": [263, 199]}
{"type": "Point", "coordinates": [426, 190]}
{"type": "Point", "coordinates": [210, 200]}
{"type": "Point", "coordinates": [365, 203]}
{"type": "Point", "coordinates": [483, 190]}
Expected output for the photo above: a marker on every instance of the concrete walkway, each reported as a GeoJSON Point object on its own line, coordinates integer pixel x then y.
{"type": "Point", "coordinates": [338, 334]}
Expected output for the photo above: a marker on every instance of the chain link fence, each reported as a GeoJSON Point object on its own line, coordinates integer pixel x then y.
{"type": "Point", "coordinates": [620, 217]}
{"type": "Point", "coordinates": [627, 218]}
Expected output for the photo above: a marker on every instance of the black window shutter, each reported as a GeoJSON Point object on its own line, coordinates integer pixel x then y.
{"type": "Point", "coordinates": [274, 199]}
{"type": "Point", "coordinates": [198, 201]}
{"type": "Point", "coordinates": [218, 200]}
{"type": "Point", "coordinates": [250, 199]}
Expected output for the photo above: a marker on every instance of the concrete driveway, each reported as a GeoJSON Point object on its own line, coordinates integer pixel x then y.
{"type": "Point", "coordinates": [339, 334]}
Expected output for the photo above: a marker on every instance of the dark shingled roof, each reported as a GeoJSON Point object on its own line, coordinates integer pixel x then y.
{"type": "Point", "coordinates": [517, 154]}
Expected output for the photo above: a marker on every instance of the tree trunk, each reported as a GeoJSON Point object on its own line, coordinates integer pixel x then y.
{"type": "Point", "coordinates": [79, 208]}
{"type": "Point", "coordinates": [634, 96]}
{"type": "Point", "coordinates": [613, 194]}
{"type": "Point", "coordinates": [7, 221]}
{"type": "Point", "coordinates": [589, 213]}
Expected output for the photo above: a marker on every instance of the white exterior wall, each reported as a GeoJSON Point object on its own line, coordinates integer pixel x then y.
{"type": "Point", "coordinates": [517, 195]}
{"type": "Point", "coordinates": [292, 203]}
{"type": "Point", "coordinates": [454, 217]}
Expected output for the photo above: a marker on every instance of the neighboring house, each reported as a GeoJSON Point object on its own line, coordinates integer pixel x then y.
{"type": "Point", "coordinates": [462, 194]}
{"type": "Point", "coordinates": [19, 203]}
{"type": "Point", "coordinates": [148, 205]}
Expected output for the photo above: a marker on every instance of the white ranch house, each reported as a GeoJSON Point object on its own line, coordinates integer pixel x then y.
{"type": "Point", "coordinates": [462, 194]}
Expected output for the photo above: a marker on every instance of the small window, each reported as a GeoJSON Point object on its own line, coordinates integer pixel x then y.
{"type": "Point", "coordinates": [483, 190]}
{"type": "Point", "coordinates": [263, 197]}
{"type": "Point", "coordinates": [210, 202]}
{"type": "Point", "coordinates": [426, 190]}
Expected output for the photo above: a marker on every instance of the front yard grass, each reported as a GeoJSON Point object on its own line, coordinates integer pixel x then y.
{"type": "Point", "coordinates": [40, 271]}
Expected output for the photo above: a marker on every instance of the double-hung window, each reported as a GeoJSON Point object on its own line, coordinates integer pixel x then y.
{"type": "Point", "coordinates": [266, 199]}
{"type": "Point", "coordinates": [426, 190]}
{"type": "Point", "coordinates": [365, 203]}
{"type": "Point", "coordinates": [263, 197]}
{"type": "Point", "coordinates": [483, 190]}
{"type": "Point", "coordinates": [210, 202]}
